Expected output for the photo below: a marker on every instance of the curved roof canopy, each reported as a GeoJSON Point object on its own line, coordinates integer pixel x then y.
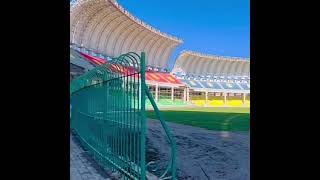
{"type": "Point", "coordinates": [105, 26]}
{"type": "Point", "coordinates": [195, 63]}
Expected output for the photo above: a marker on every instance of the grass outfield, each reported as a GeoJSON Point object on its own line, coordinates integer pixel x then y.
{"type": "Point", "coordinates": [213, 118]}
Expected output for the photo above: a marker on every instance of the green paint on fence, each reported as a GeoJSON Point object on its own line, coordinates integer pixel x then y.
{"type": "Point", "coordinates": [108, 116]}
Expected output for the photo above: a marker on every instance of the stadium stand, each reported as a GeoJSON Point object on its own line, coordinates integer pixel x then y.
{"type": "Point", "coordinates": [93, 59]}
{"type": "Point", "coordinates": [77, 59]}
{"type": "Point", "coordinates": [162, 78]}
{"type": "Point", "coordinates": [96, 38]}
{"type": "Point", "coordinates": [230, 85]}
{"type": "Point", "coordinates": [192, 83]}
{"type": "Point", "coordinates": [164, 81]}
{"type": "Point", "coordinates": [207, 74]}
{"type": "Point", "coordinates": [210, 85]}
{"type": "Point", "coordinates": [78, 64]}
{"type": "Point", "coordinates": [152, 78]}
{"type": "Point", "coordinates": [245, 86]}
{"type": "Point", "coordinates": [75, 71]}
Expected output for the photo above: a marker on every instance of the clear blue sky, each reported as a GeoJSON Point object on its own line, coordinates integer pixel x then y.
{"type": "Point", "coordinates": [219, 27]}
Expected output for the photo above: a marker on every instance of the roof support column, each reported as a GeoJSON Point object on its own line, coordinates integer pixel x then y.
{"type": "Point", "coordinates": [225, 98]}
{"type": "Point", "coordinates": [184, 94]}
{"type": "Point", "coordinates": [172, 93]}
{"type": "Point", "coordinates": [188, 94]}
{"type": "Point", "coordinates": [157, 92]}
{"type": "Point", "coordinates": [206, 104]}
{"type": "Point", "coordinates": [244, 99]}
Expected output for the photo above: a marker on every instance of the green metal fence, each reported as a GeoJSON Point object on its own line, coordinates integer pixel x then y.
{"type": "Point", "coordinates": [108, 116]}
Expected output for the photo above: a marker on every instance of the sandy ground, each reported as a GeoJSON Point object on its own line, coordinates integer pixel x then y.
{"type": "Point", "coordinates": [201, 154]}
{"type": "Point", "coordinates": [82, 165]}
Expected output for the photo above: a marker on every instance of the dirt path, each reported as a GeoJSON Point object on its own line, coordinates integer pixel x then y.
{"type": "Point", "coordinates": [201, 154]}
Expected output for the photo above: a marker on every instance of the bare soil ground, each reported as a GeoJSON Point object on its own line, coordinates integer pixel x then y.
{"type": "Point", "coordinates": [201, 154]}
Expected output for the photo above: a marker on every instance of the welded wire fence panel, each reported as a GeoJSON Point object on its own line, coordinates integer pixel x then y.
{"type": "Point", "coordinates": [108, 116]}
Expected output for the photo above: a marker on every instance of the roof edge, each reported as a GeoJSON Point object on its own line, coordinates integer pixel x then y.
{"type": "Point", "coordinates": [213, 56]}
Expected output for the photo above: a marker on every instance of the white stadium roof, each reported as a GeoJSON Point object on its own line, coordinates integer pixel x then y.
{"type": "Point", "coordinates": [105, 26]}
{"type": "Point", "coordinates": [195, 63]}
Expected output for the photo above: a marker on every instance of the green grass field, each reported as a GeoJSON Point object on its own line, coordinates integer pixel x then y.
{"type": "Point", "coordinates": [213, 118]}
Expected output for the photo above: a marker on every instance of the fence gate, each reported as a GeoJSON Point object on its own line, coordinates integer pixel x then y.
{"type": "Point", "coordinates": [108, 116]}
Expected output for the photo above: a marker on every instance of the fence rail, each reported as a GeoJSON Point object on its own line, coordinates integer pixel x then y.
{"type": "Point", "coordinates": [108, 115]}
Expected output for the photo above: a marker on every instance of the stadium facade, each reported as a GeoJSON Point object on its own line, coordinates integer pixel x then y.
{"type": "Point", "coordinates": [102, 29]}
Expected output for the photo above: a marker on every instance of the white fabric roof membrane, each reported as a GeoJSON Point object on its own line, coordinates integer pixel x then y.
{"type": "Point", "coordinates": [105, 26]}
{"type": "Point", "coordinates": [202, 64]}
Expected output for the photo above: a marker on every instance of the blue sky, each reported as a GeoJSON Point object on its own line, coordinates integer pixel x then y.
{"type": "Point", "coordinates": [219, 27]}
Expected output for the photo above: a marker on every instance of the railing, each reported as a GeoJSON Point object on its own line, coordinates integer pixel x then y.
{"type": "Point", "coordinates": [108, 116]}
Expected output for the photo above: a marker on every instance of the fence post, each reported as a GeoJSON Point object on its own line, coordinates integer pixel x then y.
{"type": "Point", "coordinates": [143, 116]}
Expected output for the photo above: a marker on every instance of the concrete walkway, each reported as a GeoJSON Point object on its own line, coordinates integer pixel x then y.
{"type": "Point", "coordinates": [82, 166]}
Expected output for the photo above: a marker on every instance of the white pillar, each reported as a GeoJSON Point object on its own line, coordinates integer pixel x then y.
{"type": "Point", "coordinates": [206, 104]}
{"type": "Point", "coordinates": [172, 93]}
{"type": "Point", "coordinates": [244, 99]}
{"type": "Point", "coordinates": [188, 94]}
{"type": "Point", "coordinates": [225, 98]}
{"type": "Point", "coordinates": [156, 93]}
{"type": "Point", "coordinates": [184, 94]}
